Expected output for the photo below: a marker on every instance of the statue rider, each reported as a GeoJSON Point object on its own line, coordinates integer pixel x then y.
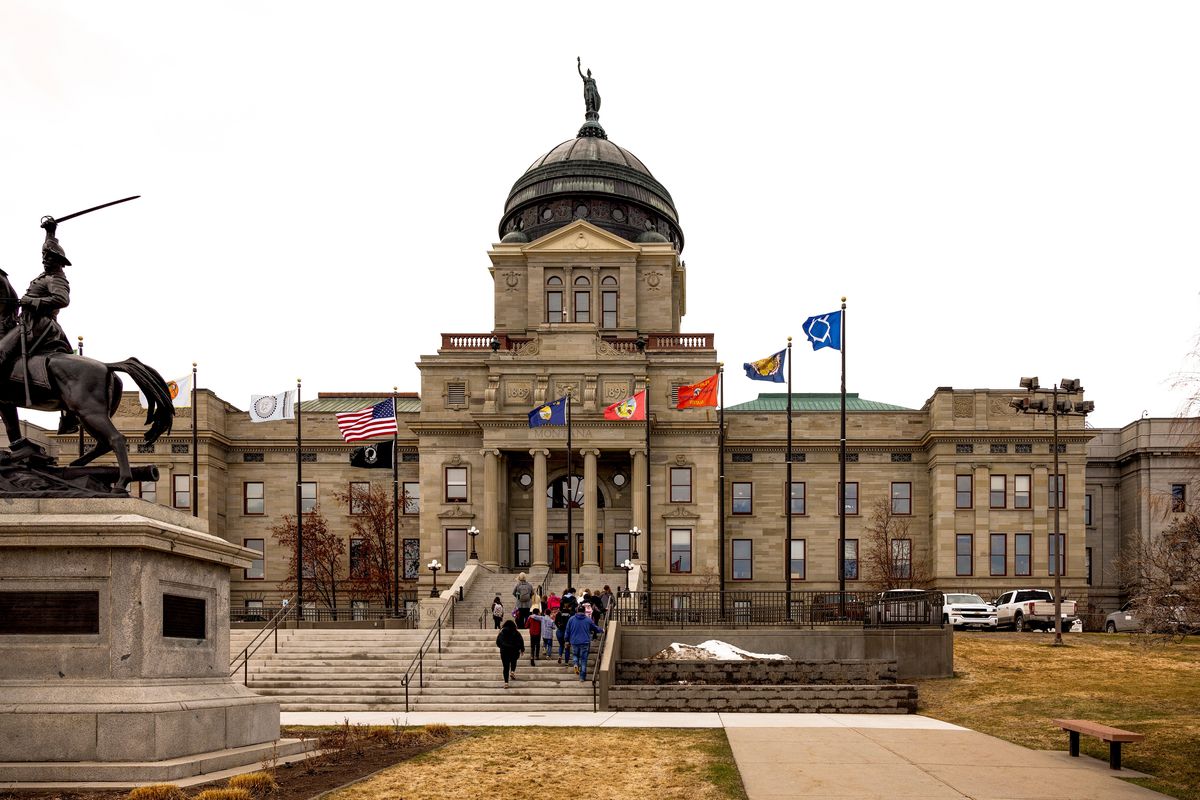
{"type": "Point", "coordinates": [47, 293]}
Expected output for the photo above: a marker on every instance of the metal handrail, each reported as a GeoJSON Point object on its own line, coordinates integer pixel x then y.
{"type": "Point", "coordinates": [272, 627]}
{"type": "Point", "coordinates": [418, 662]}
{"type": "Point", "coordinates": [600, 656]}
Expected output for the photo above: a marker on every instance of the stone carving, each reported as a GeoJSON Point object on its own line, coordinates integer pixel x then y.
{"type": "Point", "coordinates": [518, 391]}
{"type": "Point", "coordinates": [616, 390]}
{"type": "Point", "coordinates": [653, 280]}
{"type": "Point", "coordinates": [454, 460]}
{"type": "Point", "coordinates": [570, 388]}
{"type": "Point", "coordinates": [527, 350]}
{"type": "Point", "coordinates": [999, 406]}
{"type": "Point", "coordinates": [512, 280]}
{"type": "Point", "coordinates": [964, 406]}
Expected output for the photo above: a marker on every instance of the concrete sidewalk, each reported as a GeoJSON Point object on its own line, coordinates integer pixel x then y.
{"type": "Point", "coordinates": [823, 756]}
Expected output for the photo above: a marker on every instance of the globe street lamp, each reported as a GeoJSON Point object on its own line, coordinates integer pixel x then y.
{"type": "Point", "coordinates": [634, 533]}
{"type": "Point", "coordinates": [1031, 404]}
{"type": "Point", "coordinates": [627, 565]}
{"type": "Point", "coordinates": [473, 532]}
{"type": "Point", "coordinates": [434, 566]}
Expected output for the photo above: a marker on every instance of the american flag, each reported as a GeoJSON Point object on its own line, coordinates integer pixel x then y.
{"type": "Point", "coordinates": [370, 423]}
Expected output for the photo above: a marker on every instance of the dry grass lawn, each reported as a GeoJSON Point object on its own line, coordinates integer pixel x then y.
{"type": "Point", "coordinates": [591, 763]}
{"type": "Point", "coordinates": [1012, 686]}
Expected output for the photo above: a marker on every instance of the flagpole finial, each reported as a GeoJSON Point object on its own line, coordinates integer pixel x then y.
{"type": "Point", "coordinates": [789, 341]}
{"type": "Point", "coordinates": [193, 363]}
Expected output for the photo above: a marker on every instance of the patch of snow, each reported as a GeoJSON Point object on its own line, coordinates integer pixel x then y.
{"type": "Point", "coordinates": [714, 650]}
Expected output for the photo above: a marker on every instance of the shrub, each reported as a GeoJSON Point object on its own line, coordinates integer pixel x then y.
{"type": "Point", "coordinates": [157, 791]}
{"type": "Point", "coordinates": [224, 794]}
{"type": "Point", "coordinates": [258, 784]}
{"type": "Point", "coordinates": [437, 730]}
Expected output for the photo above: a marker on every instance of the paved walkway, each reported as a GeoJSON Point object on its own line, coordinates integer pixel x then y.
{"type": "Point", "coordinates": [823, 756]}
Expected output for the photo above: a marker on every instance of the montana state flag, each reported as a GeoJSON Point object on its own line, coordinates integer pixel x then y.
{"type": "Point", "coordinates": [550, 414]}
{"type": "Point", "coordinates": [767, 369]}
{"type": "Point", "coordinates": [630, 408]}
{"type": "Point", "coordinates": [699, 395]}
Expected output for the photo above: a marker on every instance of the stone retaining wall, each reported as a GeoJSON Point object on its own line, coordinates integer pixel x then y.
{"type": "Point", "coordinates": [894, 699]}
{"type": "Point", "coordinates": [756, 673]}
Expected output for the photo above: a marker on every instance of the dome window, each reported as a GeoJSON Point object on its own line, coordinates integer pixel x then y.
{"type": "Point", "coordinates": [581, 211]}
{"type": "Point", "coordinates": [547, 214]}
{"type": "Point", "coordinates": [618, 214]}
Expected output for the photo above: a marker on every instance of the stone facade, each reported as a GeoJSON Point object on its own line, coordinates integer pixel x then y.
{"type": "Point", "coordinates": [895, 699]}
{"type": "Point", "coordinates": [849, 672]}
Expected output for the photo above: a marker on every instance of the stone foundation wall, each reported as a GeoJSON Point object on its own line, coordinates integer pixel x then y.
{"type": "Point", "coordinates": [895, 699]}
{"type": "Point", "coordinates": [757, 673]}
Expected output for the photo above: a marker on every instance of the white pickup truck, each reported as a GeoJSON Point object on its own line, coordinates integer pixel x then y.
{"type": "Point", "coordinates": [1031, 609]}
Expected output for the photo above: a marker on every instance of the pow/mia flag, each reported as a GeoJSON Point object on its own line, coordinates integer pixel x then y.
{"type": "Point", "coordinates": [372, 456]}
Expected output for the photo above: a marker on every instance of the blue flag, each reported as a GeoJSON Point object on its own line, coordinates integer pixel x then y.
{"type": "Point", "coordinates": [550, 414]}
{"type": "Point", "coordinates": [768, 369]}
{"type": "Point", "coordinates": [824, 330]}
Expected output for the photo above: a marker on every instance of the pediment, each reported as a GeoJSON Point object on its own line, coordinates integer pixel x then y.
{"type": "Point", "coordinates": [579, 237]}
{"type": "Point", "coordinates": [457, 512]}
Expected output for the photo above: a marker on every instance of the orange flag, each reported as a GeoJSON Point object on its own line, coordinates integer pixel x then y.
{"type": "Point", "coordinates": [630, 408]}
{"type": "Point", "coordinates": [699, 395]}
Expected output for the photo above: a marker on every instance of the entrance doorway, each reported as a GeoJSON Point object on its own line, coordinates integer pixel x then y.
{"type": "Point", "coordinates": [558, 552]}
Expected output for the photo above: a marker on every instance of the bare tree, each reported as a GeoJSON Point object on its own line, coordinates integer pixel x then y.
{"type": "Point", "coordinates": [371, 523]}
{"type": "Point", "coordinates": [323, 554]}
{"type": "Point", "coordinates": [1162, 578]}
{"type": "Point", "coordinates": [889, 560]}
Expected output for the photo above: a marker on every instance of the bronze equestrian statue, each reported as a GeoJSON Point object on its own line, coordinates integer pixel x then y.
{"type": "Point", "coordinates": [39, 371]}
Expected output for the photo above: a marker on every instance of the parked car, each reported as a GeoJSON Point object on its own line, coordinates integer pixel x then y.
{"type": "Point", "coordinates": [1032, 609]}
{"type": "Point", "coordinates": [968, 611]}
{"type": "Point", "coordinates": [903, 607]}
{"type": "Point", "coordinates": [834, 607]}
{"type": "Point", "coordinates": [1123, 620]}
{"type": "Point", "coordinates": [1175, 621]}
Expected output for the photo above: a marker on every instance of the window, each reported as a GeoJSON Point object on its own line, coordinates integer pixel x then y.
{"type": "Point", "coordinates": [743, 559]}
{"type": "Point", "coordinates": [902, 498]}
{"type": "Point", "coordinates": [252, 498]}
{"type": "Point", "coordinates": [743, 498]}
{"type": "Point", "coordinates": [181, 491]}
{"type": "Point", "coordinates": [1178, 497]}
{"type": "Point", "coordinates": [1056, 553]}
{"type": "Point", "coordinates": [902, 559]}
{"type": "Point", "coordinates": [456, 549]}
{"type": "Point", "coordinates": [522, 550]}
{"type": "Point", "coordinates": [1022, 547]}
{"type": "Point", "coordinates": [681, 550]}
{"type": "Point", "coordinates": [358, 610]}
{"type": "Point", "coordinates": [412, 497]}
{"type": "Point", "coordinates": [148, 491]}
{"type": "Point", "coordinates": [456, 484]}
{"type": "Point", "coordinates": [1021, 491]}
{"type": "Point", "coordinates": [308, 497]}
{"type": "Point", "coordinates": [254, 611]}
{"type": "Point", "coordinates": [583, 300]}
{"type": "Point", "coordinates": [358, 561]}
{"type": "Point", "coordinates": [1052, 496]}
{"type": "Point", "coordinates": [851, 498]}
{"type": "Point", "coordinates": [998, 554]}
{"type": "Point", "coordinates": [561, 491]}
{"type": "Point", "coordinates": [621, 549]}
{"type": "Point", "coordinates": [797, 565]}
{"type": "Point", "coordinates": [964, 555]}
{"type": "Point", "coordinates": [554, 299]}
{"type": "Point", "coordinates": [1087, 510]}
{"type": "Point", "coordinates": [850, 560]}
{"type": "Point", "coordinates": [255, 572]}
{"type": "Point", "coordinates": [681, 485]}
{"type": "Point", "coordinates": [963, 491]}
{"type": "Point", "coordinates": [608, 308]}
{"type": "Point", "coordinates": [797, 499]}
{"type": "Point", "coordinates": [360, 493]}
{"type": "Point", "coordinates": [1087, 564]}
{"type": "Point", "coordinates": [997, 497]}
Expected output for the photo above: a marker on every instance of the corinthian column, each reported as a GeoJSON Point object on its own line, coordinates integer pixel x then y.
{"type": "Point", "coordinates": [591, 514]}
{"type": "Point", "coordinates": [639, 492]}
{"type": "Point", "coordinates": [490, 554]}
{"type": "Point", "coordinates": [541, 558]}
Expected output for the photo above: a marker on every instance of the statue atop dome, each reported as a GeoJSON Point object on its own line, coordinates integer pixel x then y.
{"type": "Point", "coordinates": [591, 104]}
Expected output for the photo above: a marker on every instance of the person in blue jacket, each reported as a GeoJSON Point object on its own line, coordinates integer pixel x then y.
{"type": "Point", "coordinates": [579, 633]}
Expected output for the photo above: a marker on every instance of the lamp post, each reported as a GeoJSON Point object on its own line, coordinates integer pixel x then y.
{"type": "Point", "coordinates": [473, 532]}
{"type": "Point", "coordinates": [434, 566]}
{"type": "Point", "coordinates": [634, 533]}
{"type": "Point", "coordinates": [1031, 404]}
{"type": "Point", "coordinates": [627, 565]}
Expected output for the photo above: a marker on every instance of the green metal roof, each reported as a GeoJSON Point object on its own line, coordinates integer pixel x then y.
{"type": "Point", "coordinates": [406, 403]}
{"type": "Point", "coordinates": [826, 401]}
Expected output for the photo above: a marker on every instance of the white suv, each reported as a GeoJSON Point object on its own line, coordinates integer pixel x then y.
{"type": "Point", "coordinates": [968, 611]}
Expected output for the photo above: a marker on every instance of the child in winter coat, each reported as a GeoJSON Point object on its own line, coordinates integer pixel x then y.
{"type": "Point", "coordinates": [548, 634]}
{"type": "Point", "coordinates": [497, 611]}
{"type": "Point", "coordinates": [534, 623]}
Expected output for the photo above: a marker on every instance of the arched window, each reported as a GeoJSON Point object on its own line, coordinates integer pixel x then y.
{"type": "Point", "coordinates": [608, 302]}
{"type": "Point", "coordinates": [583, 299]}
{"type": "Point", "coordinates": [554, 299]}
{"type": "Point", "coordinates": [557, 493]}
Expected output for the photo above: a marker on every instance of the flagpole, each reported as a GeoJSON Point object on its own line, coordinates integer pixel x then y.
{"type": "Point", "coordinates": [721, 487]}
{"type": "Point", "coordinates": [395, 511]}
{"type": "Point", "coordinates": [568, 495]}
{"type": "Point", "coordinates": [841, 559]}
{"type": "Point", "coordinates": [81, 425]}
{"type": "Point", "coordinates": [787, 492]}
{"type": "Point", "coordinates": [649, 491]}
{"type": "Point", "coordinates": [299, 516]}
{"type": "Point", "coordinates": [195, 451]}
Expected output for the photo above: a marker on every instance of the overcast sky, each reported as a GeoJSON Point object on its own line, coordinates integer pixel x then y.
{"type": "Point", "coordinates": [1000, 189]}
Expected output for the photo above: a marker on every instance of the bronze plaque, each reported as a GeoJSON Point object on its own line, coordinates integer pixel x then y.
{"type": "Point", "coordinates": [49, 613]}
{"type": "Point", "coordinates": [183, 617]}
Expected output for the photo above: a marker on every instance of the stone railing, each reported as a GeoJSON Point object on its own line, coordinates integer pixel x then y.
{"type": "Point", "coordinates": [653, 341]}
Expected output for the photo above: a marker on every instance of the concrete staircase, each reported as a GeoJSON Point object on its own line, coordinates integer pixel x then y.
{"type": "Point", "coordinates": [487, 586]}
{"type": "Point", "coordinates": [363, 670]}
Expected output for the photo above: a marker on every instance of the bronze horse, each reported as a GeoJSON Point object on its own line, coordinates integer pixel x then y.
{"type": "Point", "coordinates": [88, 388]}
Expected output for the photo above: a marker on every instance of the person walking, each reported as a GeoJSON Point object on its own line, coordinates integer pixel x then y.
{"type": "Point", "coordinates": [552, 603]}
{"type": "Point", "coordinates": [523, 591]}
{"type": "Point", "coordinates": [548, 628]}
{"type": "Point", "coordinates": [561, 618]}
{"type": "Point", "coordinates": [534, 624]}
{"type": "Point", "coordinates": [511, 644]}
{"type": "Point", "coordinates": [579, 633]}
{"type": "Point", "coordinates": [497, 612]}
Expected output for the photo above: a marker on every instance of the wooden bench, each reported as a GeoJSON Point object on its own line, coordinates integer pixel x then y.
{"type": "Point", "coordinates": [1114, 736]}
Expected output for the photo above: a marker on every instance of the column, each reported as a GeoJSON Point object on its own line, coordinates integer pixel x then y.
{"type": "Point", "coordinates": [591, 514]}
{"type": "Point", "coordinates": [489, 549]}
{"type": "Point", "coordinates": [639, 497]}
{"type": "Point", "coordinates": [541, 558]}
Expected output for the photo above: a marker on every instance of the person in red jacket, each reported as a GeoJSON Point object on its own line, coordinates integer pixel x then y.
{"type": "Point", "coordinates": [534, 623]}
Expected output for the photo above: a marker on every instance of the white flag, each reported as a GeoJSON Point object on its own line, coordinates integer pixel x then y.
{"type": "Point", "coordinates": [267, 407]}
{"type": "Point", "coordinates": [180, 390]}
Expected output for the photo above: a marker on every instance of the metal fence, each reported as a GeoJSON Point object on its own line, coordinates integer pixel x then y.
{"type": "Point", "coordinates": [776, 608]}
{"type": "Point", "coordinates": [327, 614]}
